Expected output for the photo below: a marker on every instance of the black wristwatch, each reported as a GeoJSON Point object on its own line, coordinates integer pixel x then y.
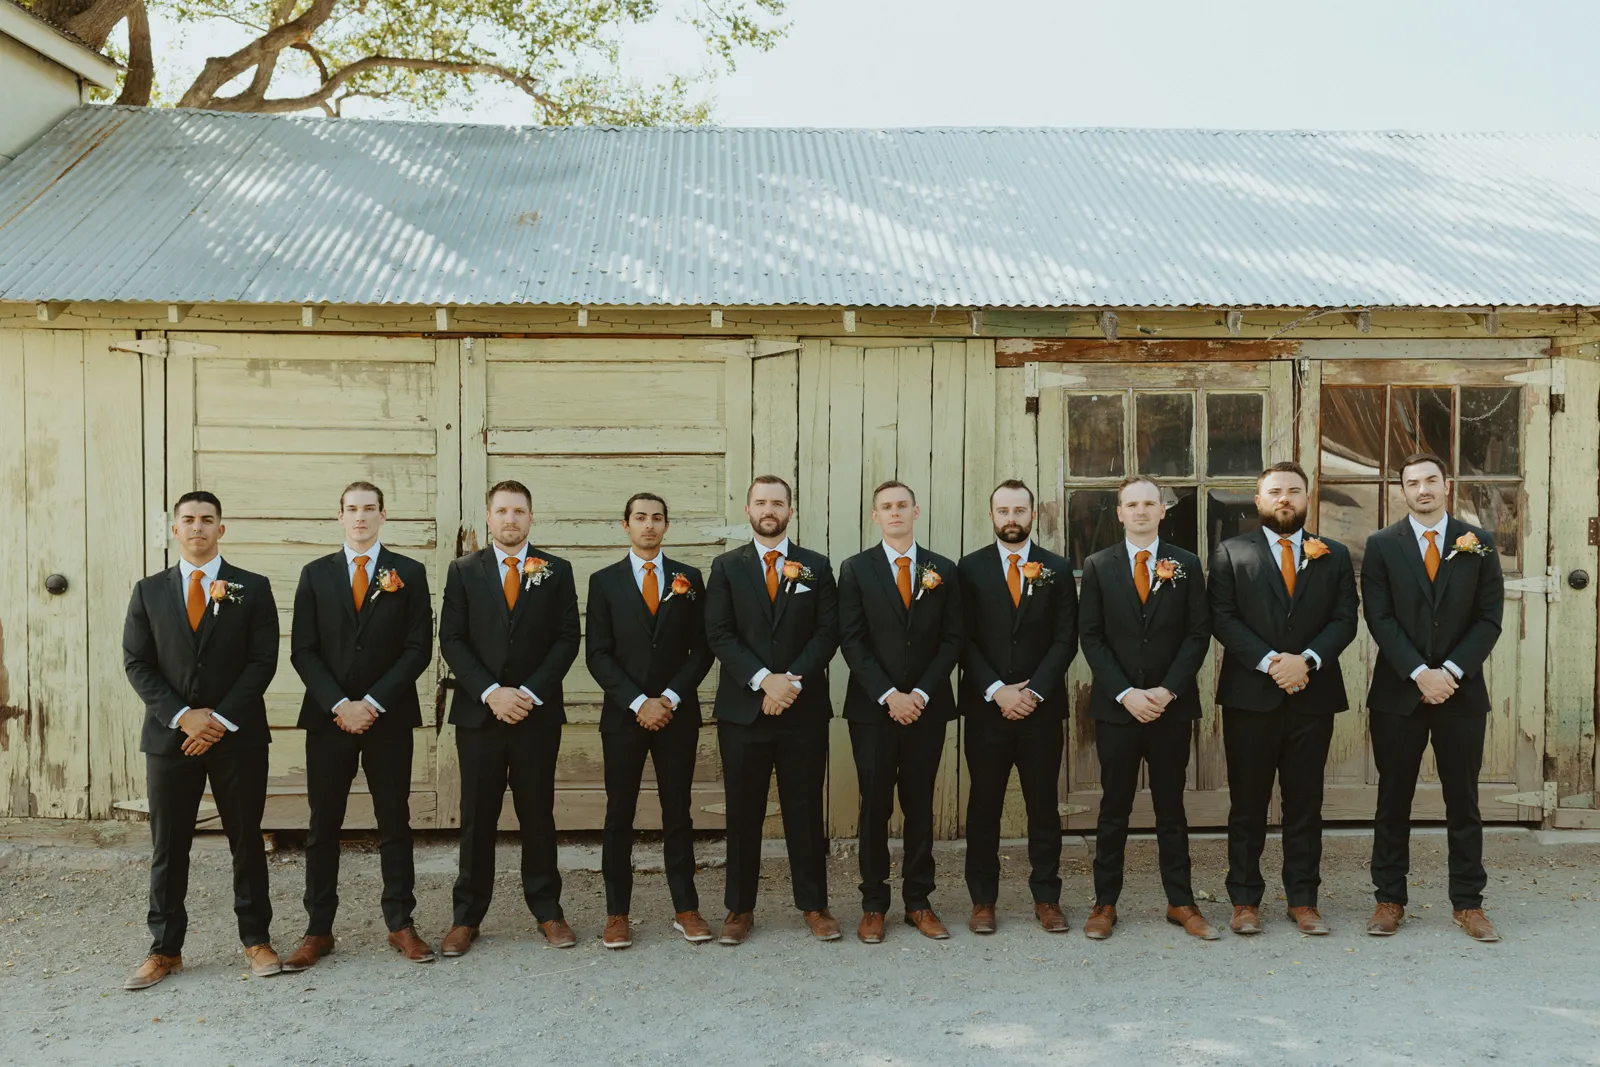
{"type": "Point", "coordinates": [1311, 662]}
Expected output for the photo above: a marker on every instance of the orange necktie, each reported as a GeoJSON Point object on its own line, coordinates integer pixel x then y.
{"type": "Point", "coordinates": [1141, 576]}
{"type": "Point", "coordinates": [652, 591]}
{"type": "Point", "coordinates": [1430, 558]}
{"type": "Point", "coordinates": [358, 582]}
{"type": "Point", "coordinates": [772, 575]}
{"type": "Point", "coordinates": [1014, 577]}
{"type": "Point", "coordinates": [903, 579]}
{"type": "Point", "coordinates": [513, 581]}
{"type": "Point", "coordinates": [197, 599]}
{"type": "Point", "coordinates": [1286, 563]}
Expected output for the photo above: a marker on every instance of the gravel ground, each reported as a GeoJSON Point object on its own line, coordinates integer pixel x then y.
{"type": "Point", "coordinates": [71, 927]}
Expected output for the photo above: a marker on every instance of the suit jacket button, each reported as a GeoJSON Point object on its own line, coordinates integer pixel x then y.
{"type": "Point", "coordinates": [360, 648]}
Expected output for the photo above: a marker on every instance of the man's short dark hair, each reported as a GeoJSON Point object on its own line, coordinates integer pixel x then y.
{"type": "Point", "coordinates": [892, 484]}
{"type": "Point", "coordinates": [361, 487]}
{"type": "Point", "coordinates": [1011, 483]}
{"type": "Point", "coordinates": [769, 479]}
{"type": "Point", "coordinates": [1425, 457]}
{"type": "Point", "coordinates": [627, 509]}
{"type": "Point", "coordinates": [1135, 479]}
{"type": "Point", "coordinates": [507, 486]}
{"type": "Point", "coordinates": [1287, 466]}
{"type": "Point", "coordinates": [199, 496]}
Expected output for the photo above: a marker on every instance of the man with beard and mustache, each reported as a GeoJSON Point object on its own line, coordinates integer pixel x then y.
{"type": "Point", "coordinates": [772, 621]}
{"type": "Point", "coordinates": [1283, 604]}
{"type": "Point", "coordinates": [1020, 611]}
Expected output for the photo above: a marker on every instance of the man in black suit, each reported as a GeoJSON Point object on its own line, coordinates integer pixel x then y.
{"type": "Point", "coordinates": [1283, 604]}
{"type": "Point", "coordinates": [772, 620]}
{"type": "Point", "coordinates": [362, 636]}
{"type": "Point", "coordinates": [1146, 630]}
{"type": "Point", "coordinates": [509, 630]}
{"type": "Point", "coordinates": [646, 646]}
{"type": "Point", "coordinates": [1020, 626]}
{"type": "Point", "coordinates": [200, 646]}
{"type": "Point", "coordinates": [1433, 594]}
{"type": "Point", "coordinates": [900, 626]}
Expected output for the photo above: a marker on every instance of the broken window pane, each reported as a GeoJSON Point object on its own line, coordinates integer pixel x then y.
{"type": "Point", "coordinates": [1419, 421]}
{"type": "Point", "coordinates": [1352, 432]}
{"type": "Point", "coordinates": [1490, 421]}
{"type": "Point", "coordinates": [1348, 513]}
{"type": "Point", "coordinates": [1164, 445]}
{"type": "Point", "coordinates": [1181, 526]}
{"type": "Point", "coordinates": [1229, 513]}
{"type": "Point", "coordinates": [1492, 506]}
{"type": "Point", "coordinates": [1091, 523]}
{"type": "Point", "coordinates": [1094, 435]}
{"type": "Point", "coordinates": [1233, 434]}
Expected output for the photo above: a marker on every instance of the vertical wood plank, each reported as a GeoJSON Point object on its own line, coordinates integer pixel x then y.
{"type": "Point", "coordinates": [879, 433]}
{"type": "Point", "coordinates": [1569, 673]}
{"type": "Point", "coordinates": [15, 709]}
{"type": "Point", "coordinates": [737, 405]}
{"type": "Point", "coordinates": [1050, 527]}
{"type": "Point", "coordinates": [845, 441]}
{"type": "Point", "coordinates": [1528, 696]}
{"type": "Point", "coordinates": [153, 373]}
{"type": "Point", "coordinates": [811, 484]}
{"type": "Point", "coordinates": [943, 523]}
{"type": "Point", "coordinates": [914, 429]}
{"type": "Point", "coordinates": [452, 504]}
{"type": "Point", "coordinates": [775, 407]}
{"type": "Point", "coordinates": [180, 431]}
{"type": "Point", "coordinates": [978, 446]}
{"type": "Point", "coordinates": [1016, 446]}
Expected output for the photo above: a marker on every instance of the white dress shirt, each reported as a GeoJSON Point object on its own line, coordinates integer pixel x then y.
{"type": "Point", "coordinates": [1006, 552]}
{"type": "Point", "coordinates": [500, 557]}
{"type": "Point", "coordinates": [782, 549]}
{"type": "Point", "coordinates": [1133, 550]}
{"type": "Point", "coordinates": [911, 554]}
{"type": "Point", "coordinates": [1420, 531]}
{"type": "Point", "coordinates": [371, 567]}
{"type": "Point", "coordinates": [1295, 540]}
{"type": "Point", "coordinates": [662, 580]}
{"type": "Point", "coordinates": [209, 570]}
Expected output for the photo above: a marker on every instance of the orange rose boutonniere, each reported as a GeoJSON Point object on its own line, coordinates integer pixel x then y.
{"type": "Point", "coordinates": [1311, 549]}
{"type": "Point", "coordinates": [388, 582]}
{"type": "Point", "coordinates": [1468, 543]}
{"type": "Point", "coordinates": [794, 571]}
{"type": "Point", "coordinates": [534, 571]}
{"type": "Point", "coordinates": [1168, 570]}
{"type": "Point", "coordinates": [220, 590]}
{"type": "Point", "coordinates": [928, 580]}
{"type": "Point", "coordinates": [680, 587]}
{"type": "Point", "coordinates": [1036, 573]}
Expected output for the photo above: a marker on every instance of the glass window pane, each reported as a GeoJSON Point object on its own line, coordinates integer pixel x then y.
{"type": "Point", "coordinates": [1419, 421]}
{"type": "Point", "coordinates": [1229, 513]}
{"type": "Point", "coordinates": [1094, 435]}
{"type": "Point", "coordinates": [1233, 434]}
{"type": "Point", "coordinates": [1493, 507]}
{"type": "Point", "coordinates": [1490, 419]}
{"type": "Point", "coordinates": [1348, 514]}
{"type": "Point", "coordinates": [1165, 441]}
{"type": "Point", "coordinates": [1091, 522]}
{"type": "Point", "coordinates": [1396, 505]}
{"type": "Point", "coordinates": [1181, 527]}
{"type": "Point", "coordinates": [1352, 432]}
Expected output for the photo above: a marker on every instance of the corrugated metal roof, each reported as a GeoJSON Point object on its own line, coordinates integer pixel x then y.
{"type": "Point", "coordinates": [201, 207]}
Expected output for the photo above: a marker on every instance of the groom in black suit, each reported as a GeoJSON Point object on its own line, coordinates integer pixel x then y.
{"type": "Point", "coordinates": [200, 646]}
{"type": "Point", "coordinates": [509, 630]}
{"type": "Point", "coordinates": [772, 620]}
{"type": "Point", "coordinates": [1283, 604]}
{"type": "Point", "coordinates": [646, 646]}
{"type": "Point", "coordinates": [362, 636]}
{"type": "Point", "coordinates": [1020, 621]}
{"type": "Point", "coordinates": [1433, 594]}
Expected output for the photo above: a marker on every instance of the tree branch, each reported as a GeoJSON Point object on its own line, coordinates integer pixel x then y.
{"type": "Point", "coordinates": [330, 85]}
{"type": "Point", "coordinates": [141, 79]}
{"type": "Point", "coordinates": [220, 70]}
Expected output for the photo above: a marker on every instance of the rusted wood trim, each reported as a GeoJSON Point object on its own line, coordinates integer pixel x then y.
{"type": "Point", "coordinates": [1015, 351]}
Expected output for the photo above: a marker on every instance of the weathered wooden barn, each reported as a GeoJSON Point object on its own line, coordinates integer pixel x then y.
{"type": "Point", "coordinates": [268, 307]}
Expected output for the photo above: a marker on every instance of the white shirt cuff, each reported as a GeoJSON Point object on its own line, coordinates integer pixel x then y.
{"type": "Point", "coordinates": [1316, 660]}
{"type": "Point", "coordinates": [1450, 666]}
{"type": "Point", "coordinates": [483, 698]}
{"type": "Point", "coordinates": [375, 704]}
{"type": "Point", "coordinates": [1265, 666]}
{"type": "Point", "coordinates": [1418, 671]}
{"type": "Point", "coordinates": [1124, 693]}
{"type": "Point", "coordinates": [673, 697]}
{"type": "Point", "coordinates": [174, 723]}
{"type": "Point", "coordinates": [988, 694]}
{"type": "Point", "coordinates": [885, 698]}
{"type": "Point", "coordinates": [226, 725]}
{"type": "Point", "coordinates": [638, 702]}
{"type": "Point", "coordinates": [529, 692]}
{"type": "Point", "coordinates": [342, 702]}
{"type": "Point", "coordinates": [925, 697]}
{"type": "Point", "coordinates": [1035, 693]}
{"type": "Point", "coordinates": [755, 683]}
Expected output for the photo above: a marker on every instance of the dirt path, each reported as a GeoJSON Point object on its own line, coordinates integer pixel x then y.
{"type": "Point", "coordinates": [72, 925]}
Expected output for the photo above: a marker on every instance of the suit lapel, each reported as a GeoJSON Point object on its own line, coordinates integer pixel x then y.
{"type": "Point", "coordinates": [634, 597]}
{"type": "Point", "coordinates": [1452, 530]}
{"type": "Point", "coordinates": [754, 571]}
{"type": "Point", "coordinates": [384, 560]}
{"type": "Point", "coordinates": [339, 581]}
{"type": "Point", "coordinates": [489, 566]}
{"type": "Point", "coordinates": [1410, 550]}
{"type": "Point", "coordinates": [213, 613]}
{"type": "Point", "coordinates": [887, 585]}
{"type": "Point", "coordinates": [785, 589]}
{"type": "Point", "coordinates": [180, 606]}
{"type": "Point", "coordinates": [1272, 569]}
{"type": "Point", "coordinates": [1123, 580]}
{"type": "Point", "coordinates": [668, 568]}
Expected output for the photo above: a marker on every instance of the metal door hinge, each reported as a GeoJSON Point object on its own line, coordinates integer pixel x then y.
{"type": "Point", "coordinates": [1594, 531]}
{"type": "Point", "coordinates": [161, 346]}
{"type": "Point", "coordinates": [1549, 584]}
{"type": "Point", "coordinates": [1553, 376]}
{"type": "Point", "coordinates": [1544, 800]}
{"type": "Point", "coordinates": [1035, 378]}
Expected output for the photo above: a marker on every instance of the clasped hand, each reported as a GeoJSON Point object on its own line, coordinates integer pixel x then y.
{"type": "Point", "coordinates": [1016, 701]}
{"type": "Point", "coordinates": [1291, 673]}
{"type": "Point", "coordinates": [201, 729]}
{"type": "Point", "coordinates": [510, 705]}
{"type": "Point", "coordinates": [1146, 705]}
{"type": "Point", "coordinates": [778, 692]}
{"type": "Point", "coordinates": [905, 708]}
{"type": "Point", "coordinates": [355, 716]}
{"type": "Point", "coordinates": [655, 713]}
{"type": "Point", "coordinates": [1437, 685]}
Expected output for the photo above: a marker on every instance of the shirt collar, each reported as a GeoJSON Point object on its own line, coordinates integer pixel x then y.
{"type": "Point", "coordinates": [637, 561]}
{"type": "Point", "coordinates": [1008, 550]}
{"type": "Point", "coordinates": [782, 549]}
{"type": "Point", "coordinates": [1134, 550]}
{"type": "Point", "coordinates": [350, 554]}
{"type": "Point", "coordinates": [501, 555]}
{"type": "Point", "coordinates": [1417, 529]}
{"type": "Point", "coordinates": [210, 569]}
{"type": "Point", "coordinates": [1273, 536]}
{"type": "Point", "coordinates": [910, 553]}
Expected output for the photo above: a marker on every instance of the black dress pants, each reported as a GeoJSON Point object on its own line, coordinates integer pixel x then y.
{"type": "Point", "coordinates": [332, 757]}
{"type": "Point", "coordinates": [1398, 742]}
{"type": "Point", "coordinates": [672, 750]}
{"type": "Point", "coordinates": [889, 755]}
{"type": "Point", "coordinates": [1164, 746]}
{"type": "Point", "coordinates": [1033, 746]}
{"type": "Point", "coordinates": [238, 777]}
{"type": "Point", "coordinates": [796, 749]}
{"type": "Point", "coordinates": [1293, 748]}
{"type": "Point", "coordinates": [524, 756]}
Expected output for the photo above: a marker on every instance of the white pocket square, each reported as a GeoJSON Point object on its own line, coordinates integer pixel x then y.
{"type": "Point", "coordinates": [802, 588]}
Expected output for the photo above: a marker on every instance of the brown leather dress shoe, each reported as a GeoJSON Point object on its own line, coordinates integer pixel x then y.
{"type": "Point", "coordinates": [1309, 920]}
{"type": "Point", "coordinates": [982, 921]}
{"type": "Point", "coordinates": [263, 961]}
{"type": "Point", "coordinates": [870, 930]}
{"type": "Point", "coordinates": [1101, 920]}
{"type": "Point", "coordinates": [1476, 924]}
{"type": "Point", "coordinates": [1386, 919]}
{"type": "Point", "coordinates": [736, 928]}
{"type": "Point", "coordinates": [1194, 924]}
{"type": "Point", "coordinates": [558, 933]}
{"type": "Point", "coordinates": [927, 924]}
{"type": "Point", "coordinates": [691, 926]}
{"type": "Point", "coordinates": [824, 927]}
{"type": "Point", "coordinates": [1246, 919]}
{"type": "Point", "coordinates": [408, 944]}
{"type": "Point", "coordinates": [154, 968]}
{"type": "Point", "coordinates": [1051, 918]}
{"type": "Point", "coordinates": [458, 941]}
{"type": "Point", "coordinates": [312, 948]}
{"type": "Point", "coordinates": [616, 934]}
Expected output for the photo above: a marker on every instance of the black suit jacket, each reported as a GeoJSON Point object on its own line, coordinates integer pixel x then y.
{"type": "Point", "coordinates": [1321, 617]}
{"type": "Point", "coordinates": [1160, 643]}
{"type": "Point", "coordinates": [1417, 623]}
{"type": "Point", "coordinates": [798, 633]}
{"type": "Point", "coordinates": [485, 644]}
{"type": "Point", "coordinates": [342, 655]}
{"type": "Point", "coordinates": [1035, 640]}
{"type": "Point", "coordinates": [226, 665]}
{"type": "Point", "coordinates": [632, 653]}
{"type": "Point", "coordinates": [889, 647]}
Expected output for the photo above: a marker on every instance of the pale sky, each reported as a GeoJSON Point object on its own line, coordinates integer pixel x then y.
{"type": "Point", "coordinates": [1524, 65]}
